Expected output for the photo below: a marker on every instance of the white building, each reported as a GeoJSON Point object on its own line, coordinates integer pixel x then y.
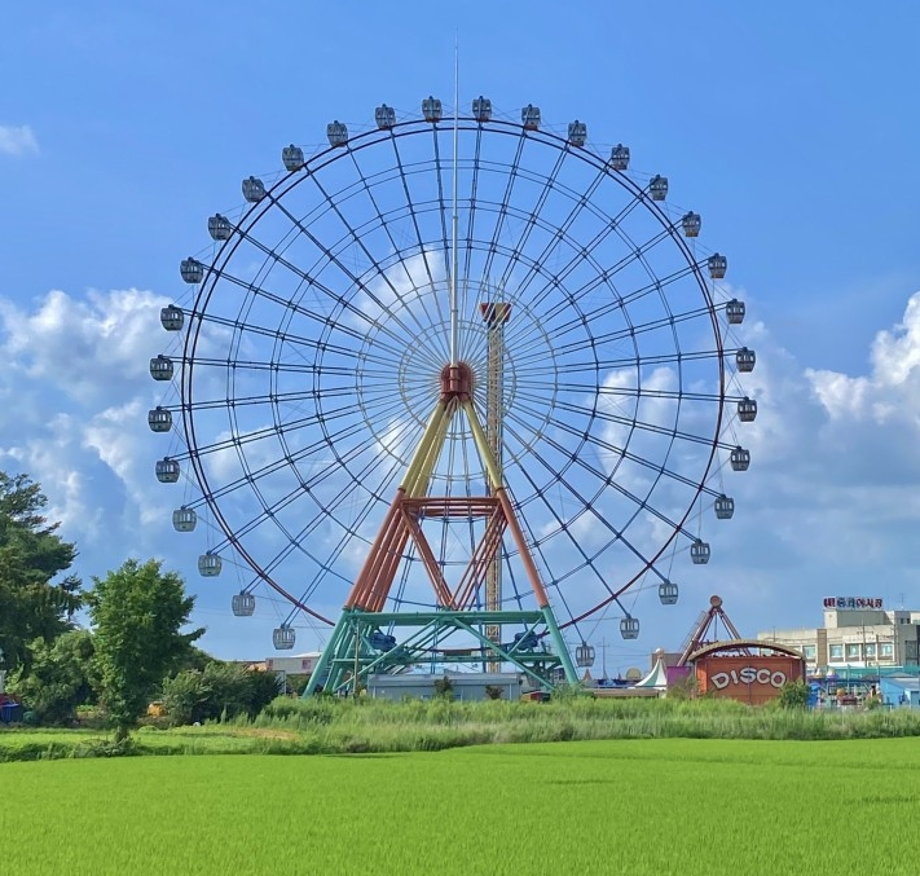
{"type": "Point", "coordinates": [856, 633]}
{"type": "Point", "coordinates": [293, 664]}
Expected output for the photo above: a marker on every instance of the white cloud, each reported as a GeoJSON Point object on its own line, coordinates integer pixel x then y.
{"type": "Point", "coordinates": [830, 503]}
{"type": "Point", "coordinates": [17, 140]}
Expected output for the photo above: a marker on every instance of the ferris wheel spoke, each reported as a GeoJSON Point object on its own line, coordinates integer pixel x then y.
{"type": "Point", "coordinates": [602, 277]}
{"type": "Point", "coordinates": [471, 223]}
{"type": "Point", "coordinates": [358, 240]}
{"type": "Point", "coordinates": [422, 250]}
{"type": "Point", "coordinates": [612, 225]}
{"type": "Point", "coordinates": [270, 511]}
{"type": "Point", "coordinates": [355, 429]}
{"type": "Point", "coordinates": [502, 209]}
{"type": "Point", "coordinates": [287, 305]}
{"type": "Point", "coordinates": [634, 423]}
{"type": "Point", "coordinates": [540, 544]}
{"type": "Point", "coordinates": [326, 566]}
{"type": "Point", "coordinates": [630, 392]}
{"type": "Point", "coordinates": [581, 202]}
{"type": "Point", "coordinates": [588, 507]}
{"type": "Point", "coordinates": [622, 301]}
{"type": "Point", "coordinates": [608, 480]}
{"type": "Point", "coordinates": [383, 220]}
{"type": "Point", "coordinates": [534, 212]}
{"type": "Point", "coordinates": [352, 278]}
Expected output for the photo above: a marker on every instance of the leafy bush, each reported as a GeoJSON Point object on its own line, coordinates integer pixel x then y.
{"type": "Point", "coordinates": [60, 678]}
{"type": "Point", "coordinates": [794, 695]}
{"type": "Point", "coordinates": [220, 690]}
{"type": "Point", "coordinates": [444, 688]}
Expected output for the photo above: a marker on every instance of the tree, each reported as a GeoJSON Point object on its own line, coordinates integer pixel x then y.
{"type": "Point", "coordinates": [218, 690]}
{"type": "Point", "coordinates": [794, 694]}
{"type": "Point", "coordinates": [60, 678]}
{"type": "Point", "coordinates": [138, 613]}
{"type": "Point", "coordinates": [32, 554]}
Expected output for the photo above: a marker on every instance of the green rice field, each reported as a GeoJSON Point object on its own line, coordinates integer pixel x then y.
{"type": "Point", "coordinates": [694, 807]}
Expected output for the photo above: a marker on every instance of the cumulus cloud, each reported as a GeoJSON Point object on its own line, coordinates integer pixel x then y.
{"type": "Point", "coordinates": [831, 502]}
{"type": "Point", "coordinates": [87, 349]}
{"type": "Point", "coordinates": [891, 392]}
{"type": "Point", "coordinates": [17, 140]}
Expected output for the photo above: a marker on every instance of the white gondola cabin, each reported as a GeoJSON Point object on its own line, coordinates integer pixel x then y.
{"type": "Point", "coordinates": [584, 655]}
{"type": "Point", "coordinates": [191, 270]}
{"type": "Point", "coordinates": [184, 519]}
{"type": "Point", "coordinates": [337, 133]}
{"type": "Point", "coordinates": [385, 117]}
{"type": "Point", "coordinates": [283, 637]}
{"type": "Point", "coordinates": [691, 223]}
{"type": "Point", "coordinates": [740, 459]}
{"type": "Point", "coordinates": [161, 368]}
{"type": "Point", "coordinates": [167, 470]}
{"type": "Point", "coordinates": [747, 410]}
{"type": "Point", "coordinates": [629, 627]}
{"type": "Point", "coordinates": [482, 109]}
{"type": "Point", "coordinates": [209, 565]}
{"type": "Point", "coordinates": [431, 109]}
{"type": "Point", "coordinates": [159, 419]}
{"type": "Point", "coordinates": [717, 265]}
{"type": "Point", "coordinates": [253, 189]}
{"type": "Point", "coordinates": [619, 157]}
{"type": "Point", "coordinates": [745, 359]}
{"type": "Point", "coordinates": [530, 117]}
{"type": "Point", "coordinates": [243, 604]}
{"type": "Point", "coordinates": [292, 158]}
{"type": "Point", "coordinates": [724, 507]}
{"type": "Point", "coordinates": [658, 186]}
{"type": "Point", "coordinates": [734, 312]}
{"type": "Point", "coordinates": [219, 227]}
{"type": "Point", "coordinates": [172, 318]}
{"type": "Point", "coordinates": [578, 133]}
{"type": "Point", "coordinates": [699, 553]}
{"type": "Point", "coordinates": [668, 592]}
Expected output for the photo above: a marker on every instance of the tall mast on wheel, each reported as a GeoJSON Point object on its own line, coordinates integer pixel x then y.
{"type": "Point", "coordinates": [455, 260]}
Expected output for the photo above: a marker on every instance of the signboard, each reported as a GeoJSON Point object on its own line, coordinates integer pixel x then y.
{"type": "Point", "coordinates": [850, 602]}
{"type": "Point", "coordinates": [748, 678]}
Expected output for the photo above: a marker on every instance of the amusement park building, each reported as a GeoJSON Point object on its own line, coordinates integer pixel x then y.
{"type": "Point", "coordinates": [857, 633]}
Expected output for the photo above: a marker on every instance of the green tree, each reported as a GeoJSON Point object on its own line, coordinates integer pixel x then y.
{"type": "Point", "coordinates": [32, 554]}
{"type": "Point", "coordinates": [794, 694]}
{"type": "Point", "coordinates": [60, 678]}
{"type": "Point", "coordinates": [138, 613]}
{"type": "Point", "coordinates": [218, 690]}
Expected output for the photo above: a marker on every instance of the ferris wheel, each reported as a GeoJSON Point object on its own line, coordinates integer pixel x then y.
{"type": "Point", "coordinates": [449, 374]}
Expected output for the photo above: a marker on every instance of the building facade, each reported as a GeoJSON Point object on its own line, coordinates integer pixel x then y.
{"type": "Point", "coordinates": [857, 633]}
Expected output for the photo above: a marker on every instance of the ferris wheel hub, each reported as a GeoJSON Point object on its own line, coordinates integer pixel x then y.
{"type": "Point", "coordinates": [457, 382]}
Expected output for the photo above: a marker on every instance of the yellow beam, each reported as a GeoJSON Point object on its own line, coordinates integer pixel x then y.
{"type": "Point", "coordinates": [421, 465]}
{"type": "Point", "coordinates": [482, 445]}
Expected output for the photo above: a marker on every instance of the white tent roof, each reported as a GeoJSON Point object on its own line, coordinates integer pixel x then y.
{"type": "Point", "coordinates": [657, 678]}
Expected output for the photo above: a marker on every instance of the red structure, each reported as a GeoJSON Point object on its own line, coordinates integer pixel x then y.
{"type": "Point", "coordinates": [747, 670]}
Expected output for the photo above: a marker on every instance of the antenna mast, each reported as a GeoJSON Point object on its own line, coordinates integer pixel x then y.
{"type": "Point", "coordinates": [454, 312]}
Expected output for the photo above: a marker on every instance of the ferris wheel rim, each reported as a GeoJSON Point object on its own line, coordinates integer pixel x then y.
{"type": "Point", "coordinates": [371, 138]}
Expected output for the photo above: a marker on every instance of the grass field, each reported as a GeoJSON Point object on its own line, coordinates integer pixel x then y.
{"type": "Point", "coordinates": [683, 806]}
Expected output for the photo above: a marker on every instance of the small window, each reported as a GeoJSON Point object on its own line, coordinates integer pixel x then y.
{"type": "Point", "coordinates": [886, 649]}
{"type": "Point", "coordinates": [811, 653]}
{"type": "Point", "coordinates": [853, 650]}
{"type": "Point", "coordinates": [835, 652]}
{"type": "Point", "coordinates": [870, 650]}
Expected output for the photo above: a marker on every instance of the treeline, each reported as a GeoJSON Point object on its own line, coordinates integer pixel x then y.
{"type": "Point", "coordinates": [136, 649]}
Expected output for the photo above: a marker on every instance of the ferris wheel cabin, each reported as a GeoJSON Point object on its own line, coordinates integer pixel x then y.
{"type": "Point", "coordinates": [292, 158]}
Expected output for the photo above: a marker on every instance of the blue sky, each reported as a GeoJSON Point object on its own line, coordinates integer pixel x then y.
{"type": "Point", "coordinates": [791, 127]}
